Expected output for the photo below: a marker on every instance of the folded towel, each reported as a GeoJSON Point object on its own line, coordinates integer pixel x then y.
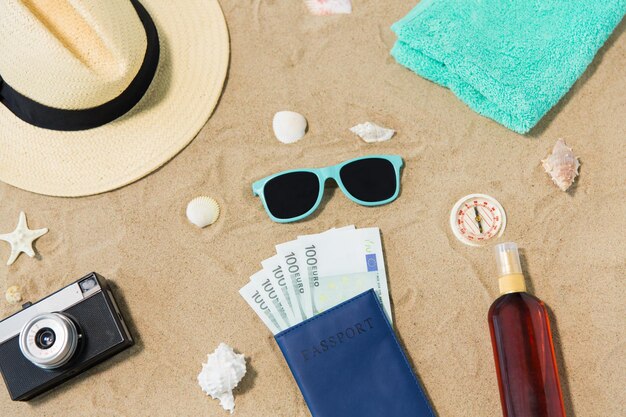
{"type": "Point", "coordinates": [510, 60]}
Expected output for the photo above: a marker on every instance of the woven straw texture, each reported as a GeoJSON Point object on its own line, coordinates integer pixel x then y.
{"type": "Point", "coordinates": [70, 54]}
{"type": "Point", "coordinates": [186, 88]}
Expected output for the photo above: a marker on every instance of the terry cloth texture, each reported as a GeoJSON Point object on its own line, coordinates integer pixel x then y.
{"type": "Point", "coordinates": [508, 60]}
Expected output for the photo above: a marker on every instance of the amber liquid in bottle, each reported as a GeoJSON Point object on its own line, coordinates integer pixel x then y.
{"type": "Point", "coordinates": [522, 345]}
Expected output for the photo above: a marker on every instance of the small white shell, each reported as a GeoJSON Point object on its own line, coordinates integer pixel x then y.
{"type": "Point", "coordinates": [327, 7]}
{"type": "Point", "coordinates": [371, 132]}
{"type": "Point", "coordinates": [13, 295]}
{"type": "Point", "coordinates": [562, 165]}
{"type": "Point", "coordinates": [203, 211]}
{"type": "Point", "coordinates": [289, 126]}
{"type": "Point", "coordinates": [221, 374]}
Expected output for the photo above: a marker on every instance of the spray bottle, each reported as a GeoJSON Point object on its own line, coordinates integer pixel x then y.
{"type": "Point", "coordinates": [522, 344]}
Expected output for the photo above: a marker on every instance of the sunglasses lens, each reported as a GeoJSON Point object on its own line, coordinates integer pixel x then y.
{"type": "Point", "coordinates": [291, 195]}
{"type": "Point", "coordinates": [370, 180]}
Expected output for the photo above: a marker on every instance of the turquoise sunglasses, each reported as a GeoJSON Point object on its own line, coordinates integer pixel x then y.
{"type": "Point", "coordinates": [292, 195]}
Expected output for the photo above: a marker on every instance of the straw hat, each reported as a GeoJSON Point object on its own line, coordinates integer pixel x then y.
{"type": "Point", "coordinates": [97, 94]}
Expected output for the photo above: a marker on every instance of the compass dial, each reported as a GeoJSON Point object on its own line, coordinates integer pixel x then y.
{"type": "Point", "coordinates": [477, 218]}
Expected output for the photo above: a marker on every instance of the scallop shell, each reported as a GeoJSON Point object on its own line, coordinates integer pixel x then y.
{"type": "Point", "coordinates": [328, 7]}
{"type": "Point", "coordinates": [562, 165]}
{"type": "Point", "coordinates": [203, 211]}
{"type": "Point", "coordinates": [221, 374]}
{"type": "Point", "coordinates": [13, 295]}
{"type": "Point", "coordinates": [371, 132]}
{"type": "Point", "coordinates": [289, 126]}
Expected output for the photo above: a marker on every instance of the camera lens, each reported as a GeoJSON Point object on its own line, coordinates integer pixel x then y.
{"type": "Point", "coordinates": [49, 340]}
{"type": "Point", "coordinates": [45, 338]}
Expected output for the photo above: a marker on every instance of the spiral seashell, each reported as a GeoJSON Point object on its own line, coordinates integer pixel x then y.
{"type": "Point", "coordinates": [203, 211]}
{"type": "Point", "coordinates": [562, 165]}
{"type": "Point", "coordinates": [371, 132]}
{"type": "Point", "coordinates": [221, 374]}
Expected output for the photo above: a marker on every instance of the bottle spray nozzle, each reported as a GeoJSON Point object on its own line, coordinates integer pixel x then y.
{"type": "Point", "coordinates": [507, 259]}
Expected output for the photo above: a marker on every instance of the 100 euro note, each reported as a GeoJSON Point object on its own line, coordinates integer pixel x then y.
{"type": "Point", "coordinates": [275, 293]}
{"type": "Point", "coordinates": [270, 296]}
{"type": "Point", "coordinates": [286, 292]}
{"type": "Point", "coordinates": [292, 269]}
{"type": "Point", "coordinates": [334, 290]}
{"type": "Point", "coordinates": [317, 272]}
{"type": "Point", "coordinates": [300, 263]}
{"type": "Point", "coordinates": [347, 252]}
{"type": "Point", "coordinates": [253, 297]}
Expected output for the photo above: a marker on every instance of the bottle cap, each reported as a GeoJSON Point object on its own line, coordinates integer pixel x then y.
{"type": "Point", "coordinates": [507, 259]}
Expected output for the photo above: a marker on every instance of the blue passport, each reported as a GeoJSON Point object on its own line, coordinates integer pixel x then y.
{"type": "Point", "coordinates": [348, 363]}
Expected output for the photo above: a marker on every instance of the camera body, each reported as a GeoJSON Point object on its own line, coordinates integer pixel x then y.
{"type": "Point", "coordinates": [60, 336]}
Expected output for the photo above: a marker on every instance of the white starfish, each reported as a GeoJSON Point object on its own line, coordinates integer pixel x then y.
{"type": "Point", "coordinates": [22, 238]}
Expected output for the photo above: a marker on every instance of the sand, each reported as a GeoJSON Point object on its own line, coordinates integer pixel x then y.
{"type": "Point", "coordinates": [179, 285]}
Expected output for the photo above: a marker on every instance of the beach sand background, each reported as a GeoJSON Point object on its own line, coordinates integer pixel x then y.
{"type": "Point", "coordinates": [178, 285]}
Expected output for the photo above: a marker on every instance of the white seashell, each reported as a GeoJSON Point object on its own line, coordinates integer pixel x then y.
{"type": "Point", "coordinates": [13, 294]}
{"type": "Point", "coordinates": [327, 7]}
{"type": "Point", "coordinates": [203, 211]}
{"type": "Point", "coordinates": [371, 132]}
{"type": "Point", "coordinates": [221, 374]}
{"type": "Point", "coordinates": [289, 126]}
{"type": "Point", "coordinates": [562, 165]}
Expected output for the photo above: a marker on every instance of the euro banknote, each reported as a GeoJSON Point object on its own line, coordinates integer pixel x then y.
{"type": "Point", "coordinates": [315, 272]}
{"type": "Point", "coordinates": [287, 292]}
{"type": "Point", "coordinates": [347, 252]}
{"type": "Point", "coordinates": [251, 294]}
{"type": "Point", "coordinates": [270, 295]}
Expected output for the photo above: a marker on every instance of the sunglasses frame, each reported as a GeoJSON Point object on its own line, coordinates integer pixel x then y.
{"type": "Point", "coordinates": [323, 175]}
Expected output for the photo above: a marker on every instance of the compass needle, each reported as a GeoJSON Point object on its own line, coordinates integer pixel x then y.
{"type": "Point", "coordinates": [480, 226]}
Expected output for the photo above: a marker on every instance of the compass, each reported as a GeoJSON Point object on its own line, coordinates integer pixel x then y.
{"type": "Point", "coordinates": [476, 219]}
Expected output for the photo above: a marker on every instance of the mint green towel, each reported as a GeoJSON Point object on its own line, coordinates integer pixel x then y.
{"type": "Point", "coordinates": [510, 60]}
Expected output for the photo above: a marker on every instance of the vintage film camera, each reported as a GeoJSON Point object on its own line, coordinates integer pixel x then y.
{"type": "Point", "coordinates": [60, 336]}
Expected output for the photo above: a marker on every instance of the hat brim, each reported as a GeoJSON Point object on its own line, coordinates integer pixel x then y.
{"type": "Point", "coordinates": [188, 83]}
